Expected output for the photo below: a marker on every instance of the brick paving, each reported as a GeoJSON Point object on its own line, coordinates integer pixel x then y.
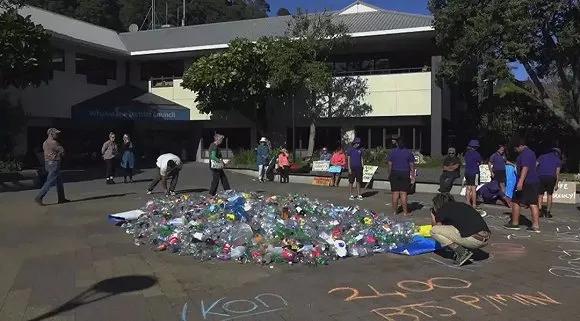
{"type": "Point", "coordinates": [52, 258]}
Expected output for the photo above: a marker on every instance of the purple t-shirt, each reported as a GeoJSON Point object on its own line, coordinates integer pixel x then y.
{"type": "Point", "coordinates": [401, 159]}
{"type": "Point", "coordinates": [472, 162]}
{"type": "Point", "coordinates": [356, 155]}
{"type": "Point", "coordinates": [498, 162]}
{"type": "Point", "coordinates": [547, 164]}
{"type": "Point", "coordinates": [527, 158]}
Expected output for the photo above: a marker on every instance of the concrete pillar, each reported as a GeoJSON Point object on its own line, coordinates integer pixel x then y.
{"type": "Point", "coordinates": [436, 109]}
{"type": "Point", "coordinates": [70, 61]}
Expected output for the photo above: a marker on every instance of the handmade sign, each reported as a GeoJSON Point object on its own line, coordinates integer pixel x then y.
{"type": "Point", "coordinates": [322, 181]}
{"type": "Point", "coordinates": [484, 174]}
{"type": "Point", "coordinates": [369, 172]}
{"type": "Point", "coordinates": [335, 169]}
{"type": "Point", "coordinates": [565, 194]}
{"type": "Point", "coordinates": [320, 166]}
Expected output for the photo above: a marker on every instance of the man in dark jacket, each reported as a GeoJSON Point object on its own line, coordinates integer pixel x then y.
{"type": "Point", "coordinates": [262, 155]}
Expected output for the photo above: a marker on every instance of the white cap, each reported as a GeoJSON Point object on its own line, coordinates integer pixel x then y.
{"type": "Point", "coordinates": [263, 140]}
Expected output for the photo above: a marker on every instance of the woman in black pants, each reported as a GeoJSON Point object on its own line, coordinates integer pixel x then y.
{"type": "Point", "coordinates": [216, 165]}
{"type": "Point", "coordinates": [109, 152]}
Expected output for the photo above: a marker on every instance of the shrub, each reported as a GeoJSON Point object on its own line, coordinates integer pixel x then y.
{"type": "Point", "coordinates": [10, 165]}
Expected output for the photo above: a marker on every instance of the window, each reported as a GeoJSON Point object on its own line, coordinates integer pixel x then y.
{"type": "Point", "coordinates": [97, 70]}
{"type": "Point", "coordinates": [381, 64]}
{"type": "Point", "coordinates": [58, 59]}
{"type": "Point", "coordinates": [162, 69]}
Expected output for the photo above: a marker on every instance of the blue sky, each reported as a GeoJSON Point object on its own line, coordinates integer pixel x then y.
{"type": "Point", "coordinates": [412, 6]}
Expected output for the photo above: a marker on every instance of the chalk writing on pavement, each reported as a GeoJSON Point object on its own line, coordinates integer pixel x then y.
{"type": "Point", "coordinates": [224, 309]}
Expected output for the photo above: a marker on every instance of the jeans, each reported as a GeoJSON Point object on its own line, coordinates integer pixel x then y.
{"type": "Point", "coordinates": [53, 177]}
{"type": "Point", "coordinates": [217, 176]}
{"type": "Point", "coordinates": [174, 177]}
{"type": "Point", "coordinates": [447, 234]}
{"type": "Point", "coordinates": [446, 181]}
{"type": "Point", "coordinates": [262, 171]}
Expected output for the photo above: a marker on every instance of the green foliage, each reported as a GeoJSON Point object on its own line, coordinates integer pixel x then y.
{"type": "Point", "coordinates": [376, 156]}
{"type": "Point", "coordinates": [12, 119]}
{"type": "Point", "coordinates": [10, 165]}
{"type": "Point", "coordinates": [25, 55]}
{"type": "Point", "coordinates": [283, 12]}
{"type": "Point", "coordinates": [244, 157]}
{"type": "Point", "coordinates": [479, 38]}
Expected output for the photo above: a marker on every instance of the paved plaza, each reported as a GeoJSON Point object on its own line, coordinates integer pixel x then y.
{"type": "Point", "coordinates": [66, 262]}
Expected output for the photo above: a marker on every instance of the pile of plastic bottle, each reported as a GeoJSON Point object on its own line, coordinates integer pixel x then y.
{"type": "Point", "coordinates": [248, 227]}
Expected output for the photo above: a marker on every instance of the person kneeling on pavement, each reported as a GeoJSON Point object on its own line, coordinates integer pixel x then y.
{"type": "Point", "coordinates": [458, 226]}
{"type": "Point", "coordinates": [169, 166]}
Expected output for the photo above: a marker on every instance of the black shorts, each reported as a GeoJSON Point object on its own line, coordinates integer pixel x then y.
{"type": "Point", "coordinates": [499, 176]}
{"type": "Point", "coordinates": [528, 195]}
{"type": "Point", "coordinates": [547, 185]}
{"type": "Point", "coordinates": [356, 174]}
{"type": "Point", "coordinates": [470, 180]}
{"type": "Point", "coordinates": [400, 181]}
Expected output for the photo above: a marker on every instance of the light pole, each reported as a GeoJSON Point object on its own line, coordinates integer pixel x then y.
{"type": "Point", "coordinates": [293, 131]}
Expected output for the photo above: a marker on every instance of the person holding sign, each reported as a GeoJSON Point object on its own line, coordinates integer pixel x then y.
{"type": "Point", "coordinates": [355, 167]}
{"type": "Point", "coordinates": [527, 188]}
{"type": "Point", "coordinates": [549, 165]}
{"type": "Point", "coordinates": [338, 163]}
{"type": "Point", "coordinates": [402, 174]}
{"type": "Point", "coordinates": [472, 161]}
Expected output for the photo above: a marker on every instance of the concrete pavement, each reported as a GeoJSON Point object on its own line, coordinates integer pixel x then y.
{"type": "Point", "coordinates": [65, 262]}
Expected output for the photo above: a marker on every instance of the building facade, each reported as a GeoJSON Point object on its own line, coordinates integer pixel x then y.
{"type": "Point", "coordinates": [131, 82]}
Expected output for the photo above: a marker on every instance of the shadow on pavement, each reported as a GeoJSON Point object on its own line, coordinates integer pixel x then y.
{"type": "Point", "coordinates": [193, 190]}
{"type": "Point", "coordinates": [100, 197]}
{"type": "Point", "coordinates": [102, 290]}
{"type": "Point", "coordinates": [369, 194]}
{"type": "Point", "coordinates": [478, 255]}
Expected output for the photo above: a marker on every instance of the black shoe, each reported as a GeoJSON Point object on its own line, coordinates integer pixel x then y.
{"type": "Point", "coordinates": [511, 226]}
{"type": "Point", "coordinates": [548, 215]}
{"type": "Point", "coordinates": [64, 201]}
{"type": "Point", "coordinates": [462, 255]}
{"type": "Point", "coordinates": [38, 201]}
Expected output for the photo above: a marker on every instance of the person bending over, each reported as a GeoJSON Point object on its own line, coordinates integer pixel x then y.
{"type": "Point", "coordinates": [458, 227]}
{"type": "Point", "coordinates": [169, 166]}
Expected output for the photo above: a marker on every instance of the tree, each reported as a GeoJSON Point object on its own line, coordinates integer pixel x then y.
{"type": "Point", "coordinates": [25, 54]}
{"type": "Point", "coordinates": [478, 40]}
{"type": "Point", "coordinates": [99, 12]}
{"type": "Point", "coordinates": [283, 12]}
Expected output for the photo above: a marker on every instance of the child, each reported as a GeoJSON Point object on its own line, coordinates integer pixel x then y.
{"type": "Point", "coordinates": [284, 166]}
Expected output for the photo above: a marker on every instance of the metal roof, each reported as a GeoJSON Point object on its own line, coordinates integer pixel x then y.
{"type": "Point", "coordinates": [72, 28]}
{"type": "Point", "coordinates": [218, 35]}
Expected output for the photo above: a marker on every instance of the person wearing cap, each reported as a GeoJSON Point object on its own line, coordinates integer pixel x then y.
{"type": "Point", "coordinates": [451, 168]}
{"type": "Point", "coordinates": [169, 166]}
{"type": "Point", "coordinates": [325, 155]}
{"type": "Point", "coordinates": [527, 188]}
{"type": "Point", "coordinates": [109, 151]}
{"type": "Point", "coordinates": [262, 158]}
{"type": "Point", "coordinates": [216, 165]}
{"type": "Point", "coordinates": [472, 161]}
{"type": "Point", "coordinates": [53, 153]}
{"type": "Point", "coordinates": [402, 174]}
{"type": "Point", "coordinates": [549, 165]}
{"type": "Point", "coordinates": [355, 167]}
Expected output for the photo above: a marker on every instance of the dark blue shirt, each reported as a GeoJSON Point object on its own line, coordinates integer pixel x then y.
{"type": "Point", "coordinates": [356, 155]}
{"type": "Point", "coordinates": [497, 161]}
{"type": "Point", "coordinates": [401, 158]}
{"type": "Point", "coordinates": [527, 158]}
{"type": "Point", "coordinates": [472, 162]}
{"type": "Point", "coordinates": [548, 163]}
{"type": "Point", "coordinates": [262, 154]}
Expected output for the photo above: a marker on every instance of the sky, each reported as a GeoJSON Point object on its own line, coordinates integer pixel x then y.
{"type": "Point", "coordinates": [411, 6]}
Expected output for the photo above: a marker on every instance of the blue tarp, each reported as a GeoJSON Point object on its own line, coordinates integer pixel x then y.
{"type": "Point", "coordinates": [419, 245]}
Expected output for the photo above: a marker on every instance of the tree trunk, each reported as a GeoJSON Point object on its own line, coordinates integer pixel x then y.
{"type": "Point", "coordinates": [311, 139]}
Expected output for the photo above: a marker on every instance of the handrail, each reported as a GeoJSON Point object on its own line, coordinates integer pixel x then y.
{"type": "Point", "coordinates": [382, 71]}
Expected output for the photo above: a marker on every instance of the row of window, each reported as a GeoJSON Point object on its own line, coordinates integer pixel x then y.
{"type": "Point", "coordinates": [97, 70]}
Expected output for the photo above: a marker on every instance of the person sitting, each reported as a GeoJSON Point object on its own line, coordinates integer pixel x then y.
{"type": "Point", "coordinates": [458, 227]}
{"type": "Point", "coordinates": [325, 155]}
{"type": "Point", "coordinates": [491, 192]}
{"type": "Point", "coordinates": [451, 168]}
{"type": "Point", "coordinates": [338, 159]}
{"type": "Point", "coordinates": [169, 166]}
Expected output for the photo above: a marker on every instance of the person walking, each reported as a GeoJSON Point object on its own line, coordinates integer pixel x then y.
{"type": "Point", "coordinates": [128, 158]}
{"type": "Point", "coordinates": [527, 188]}
{"type": "Point", "coordinates": [216, 165]}
{"type": "Point", "coordinates": [284, 166]}
{"type": "Point", "coordinates": [458, 227]}
{"type": "Point", "coordinates": [451, 170]}
{"type": "Point", "coordinates": [109, 152]}
{"type": "Point", "coordinates": [355, 167]}
{"type": "Point", "coordinates": [402, 174]}
{"type": "Point", "coordinates": [169, 166]}
{"type": "Point", "coordinates": [338, 159]}
{"type": "Point", "coordinates": [472, 161]}
{"type": "Point", "coordinates": [497, 163]}
{"type": "Point", "coordinates": [549, 165]}
{"type": "Point", "coordinates": [262, 158]}
{"type": "Point", "coordinates": [53, 154]}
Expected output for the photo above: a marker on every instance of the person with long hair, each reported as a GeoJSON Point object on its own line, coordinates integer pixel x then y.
{"type": "Point", "coordinates": [338, 159]}
{"type": "Point", "coordinates": [216, 165]}
{"type": "Point", "coordinates": [472, 161]}
{"type": "Point", "coordinates": [402, 174]}
{"type": "Point", "coordinates": [284, 165]}
{"type": "Point", "coordinates": [128, 158]}
{"type": "Point", "coordinates": [109, 152]}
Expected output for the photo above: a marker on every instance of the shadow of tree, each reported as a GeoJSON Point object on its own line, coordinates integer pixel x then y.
{"type": "Point", "coordinates": [102, 290]}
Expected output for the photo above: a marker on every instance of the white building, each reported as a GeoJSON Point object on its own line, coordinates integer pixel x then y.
{"type": "Point", "coordinates": [130, 82]}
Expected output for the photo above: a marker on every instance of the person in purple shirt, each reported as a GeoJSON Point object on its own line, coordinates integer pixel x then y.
{"type": "Point", "coordinates": [355, 167]}
{"type": "Point", "coordinates": [497, 166]}
{"type": "Point", "coordinates": [549, 165]}
{"type": "Point", "coordinates": [527, 188]}
{"type": "Point", "coordinates": [472, 161]}
{"type": "Point", "coordinates": [402, 175]}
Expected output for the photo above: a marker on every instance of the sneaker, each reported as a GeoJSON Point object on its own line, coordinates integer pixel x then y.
{"type": "Point", "coordinates": [481, 212]}
{"type": "Point", "coordinates": [359, 197]}
{"type": "Point", "coordinates": [548, 215]}
{"type": "Point", "coordinates": [351, 198]}
{"type": "Point", "coordinates": [38, 201]}
{"type": "Point", "coordinates": [149, 192]}
{"type": "Point", "coordinates": [462, 255]}
{"type": "Point", "coordinates": [533, 229]}
{"type": "Point", "coordinates": [511, 226]}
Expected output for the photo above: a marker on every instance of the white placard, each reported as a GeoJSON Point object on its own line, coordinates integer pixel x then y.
{"type": "Point", "coordinates": [368, 173]}
{"type": "Point", "coordinates": [320, 166]}
{"type": "Point", "coordinates": [484, 174]}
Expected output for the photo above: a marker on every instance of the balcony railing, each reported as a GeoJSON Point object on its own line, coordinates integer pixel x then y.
{"type": "Point", "coordinates": [381, 71]}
